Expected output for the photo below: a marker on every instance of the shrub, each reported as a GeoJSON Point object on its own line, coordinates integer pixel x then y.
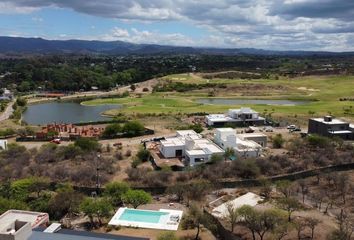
{"type": "Point", "coordinates": [278, 141]}
{"type": "Point", "coordinates": [87, 144]}
{"type": "Point", "coordinates": [111, 130]}
{"type": "Point", "coordinates": [318, 141]}
{"type": "Point", "coordinates": [143, 155]}
{"type": "Point", "coordinates": [133, 129]}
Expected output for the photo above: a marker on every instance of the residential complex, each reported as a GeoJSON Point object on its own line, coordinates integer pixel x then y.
{"type": "Point", "coordinates": [331, 127]}
{"type": "Point", "coordinates": [190, 146]}
{"type": "Point", "coordinates": [244, 145]}
{"type": "Point", "coordinates": [242, 117]}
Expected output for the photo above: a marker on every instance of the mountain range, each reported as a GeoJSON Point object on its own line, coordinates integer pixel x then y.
{"type": "Point", "coordinates": [20, 45]}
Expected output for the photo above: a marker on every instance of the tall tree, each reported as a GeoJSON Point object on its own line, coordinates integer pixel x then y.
{"type": "Point", "coordinates": [136, 198]}
{"type": "Point", "coordinates": [290, 205]}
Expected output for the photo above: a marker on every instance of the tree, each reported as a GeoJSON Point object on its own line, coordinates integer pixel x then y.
{"type": "Point", "coordinates": [232, 216]}
{"type": "Point", "coordinates": [21, 102]}
{"type": "Point", "coordinates": [281, 230]}
{"type": "Point", "coordinates": [96, 207]}
{"type": "Point", "coordinates": [143, 155]}
{"type": "Point", "coordinates": [194, 219]}
{"type": "Point", "coordinates": [196, 190]}
{"type": "Point", "coordinates": [299, 225]}
{"type": "Point", "coordinates": [65, 201]}
{"type": "Point", "coordinates": [284, 186]}
{"type": "Point", "coordinates": [249, 217]}
{"type": "Point", "coordinates": [303, 188]}
{"type": "Point", "coordinates": [133, 128]}
{"type": "Point", "coordinates": [136, 198]}
{"type": "Point", "coordinates": [21, 189]}
{"type": "Point", "coordinates": [87, 144]}
{"type": "Point", "coordinates": [133, 87]}
{"type": "Point", "coordinates": [260, 222]}
{"type": "Point", "coordinates": [266, 188]}
{"type": "Point", "coordinates": [7, 204]}
{"type": "Point", "coordinates": [115, 191]}
{"type": "Point", "coordinates": [177, 189]}
{"type": "Point", "coordinates": [112, 130]}
{"type": "Point", "coordinates": [312, 223]}
{"type": "Point", "coordinates": [289, 204]}
{"type": "Point", "coordinates": [278, 141]}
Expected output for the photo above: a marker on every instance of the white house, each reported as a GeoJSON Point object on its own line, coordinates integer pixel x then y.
{"type": "Point", "coordinates": [3, 144]}
{"type": "Point", "coordinates": [259, 138]}
{"type": "Point", "coordinates": [243, 147]}
{"type": "Point", "coordinates": [191, 146]}
{"type": "Point", "coordinates": [242, 116]}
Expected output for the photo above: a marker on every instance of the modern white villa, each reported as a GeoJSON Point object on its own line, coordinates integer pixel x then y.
{"type": "Point", "coordinates": [191, 146]}
{"type": "Point", "coordinates": [242, 116]}
{"type": "Point", "coordinates": [244, 145]}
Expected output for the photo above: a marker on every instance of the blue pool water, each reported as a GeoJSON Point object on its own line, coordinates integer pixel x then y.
{"type": "Point", "coordinates": [141, 216]}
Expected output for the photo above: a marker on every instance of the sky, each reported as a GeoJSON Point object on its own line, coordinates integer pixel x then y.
{"type": "Point", "coordinates": [325, 25]}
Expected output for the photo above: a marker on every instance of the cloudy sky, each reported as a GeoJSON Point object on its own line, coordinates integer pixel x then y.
{"type": "Point", "coordinates": [268, 24]}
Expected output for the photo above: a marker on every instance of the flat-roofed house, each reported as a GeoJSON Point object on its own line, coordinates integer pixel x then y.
{"type": "Point", "coordinates": [331, 127]}
{"type": "Point", "coordinates": [243, 147]}
{"type": "Point", "coordinates": [243, 117]}
{"type": "Point", "coordinates": [189, 145]}
{"type": "Point", "coordinates": [25, 225]}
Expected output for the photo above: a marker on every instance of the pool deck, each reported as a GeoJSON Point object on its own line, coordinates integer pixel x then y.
{"type": "Point", "coordinates": [165, 222]}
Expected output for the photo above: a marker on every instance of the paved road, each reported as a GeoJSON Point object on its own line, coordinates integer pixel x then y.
{"type": "Point", "coordinates": [8, 111]}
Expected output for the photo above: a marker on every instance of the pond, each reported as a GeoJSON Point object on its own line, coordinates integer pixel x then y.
{"type": "Point", "coordinates": [230, 101]}
{"type": "Point", "coordinates": [65, 112]}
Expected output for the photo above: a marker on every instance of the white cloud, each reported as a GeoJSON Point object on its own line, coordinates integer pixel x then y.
{"type": "Point", "coordinates": [120, 33]}
{"type": "Point", "coordinates": [277, 24]}
{"type": "Point", "coordinates": [37, 19]}
{"type": "Point", "coordinates": [11, 8]}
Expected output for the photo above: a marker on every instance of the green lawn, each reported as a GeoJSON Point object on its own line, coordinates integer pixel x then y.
{"type": "Point", "coordinates": [325, 90]}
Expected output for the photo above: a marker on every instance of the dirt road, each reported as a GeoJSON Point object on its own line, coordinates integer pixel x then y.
{"type": "Point", "coordinates": [8, 111]}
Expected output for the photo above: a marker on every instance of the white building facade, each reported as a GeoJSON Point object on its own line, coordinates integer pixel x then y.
{"type": "Point", "coordinates": [243, 147]}
{"type": "Point", "coordinates": [242, 116]}
{"type": "Point", "coordinates": [191, 146]}
{"type": "Point", "coordinates": [3, 145]}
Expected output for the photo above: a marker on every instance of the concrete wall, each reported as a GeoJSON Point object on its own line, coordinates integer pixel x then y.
{"type": "Point", "coordinates": [3, 144]}
{"type": "Point", "coordinates": [170, 151]}
{"type": "Point", "coordinates": [261, 140]}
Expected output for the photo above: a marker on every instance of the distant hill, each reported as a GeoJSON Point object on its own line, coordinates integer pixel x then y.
{"type": "Point", "coordinates": [19, 45]}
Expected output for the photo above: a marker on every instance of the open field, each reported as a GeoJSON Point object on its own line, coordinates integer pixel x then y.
{"type": "Point", "coordinates": [324, 93]}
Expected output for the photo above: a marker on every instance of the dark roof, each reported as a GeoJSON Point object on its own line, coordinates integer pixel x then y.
{"type": "Point", "coordinates": [65, 234]}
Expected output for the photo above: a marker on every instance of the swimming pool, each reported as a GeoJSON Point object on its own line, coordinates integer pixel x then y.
{"type": "Point", "coordinates": [164, 219]}
{"type": "Point", "coordinates": [141, 216]}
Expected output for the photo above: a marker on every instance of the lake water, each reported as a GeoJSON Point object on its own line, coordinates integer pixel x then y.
{"type": "Point", "coordinates": [225, 101]}
{"type": "Point", "coordinates": [65, 112]}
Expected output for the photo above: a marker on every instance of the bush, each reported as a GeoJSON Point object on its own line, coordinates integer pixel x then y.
{"type": "Point", "coordinates": [318, 141]}
{"type": "Point", "coordinates": [133, 129]}
{"type": "Point", "coordinates": [21, 102]}
{"type": "Point", "coordinates": [112, 130]}
{"type": "Point", "coordinates": [143, 155]}
{"type": "Point", "coordinates": [278, 141]}
{"type": "Point", "coordinates": [87, 144]}
{"type": "Point", "coordinates": [7, 132]}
